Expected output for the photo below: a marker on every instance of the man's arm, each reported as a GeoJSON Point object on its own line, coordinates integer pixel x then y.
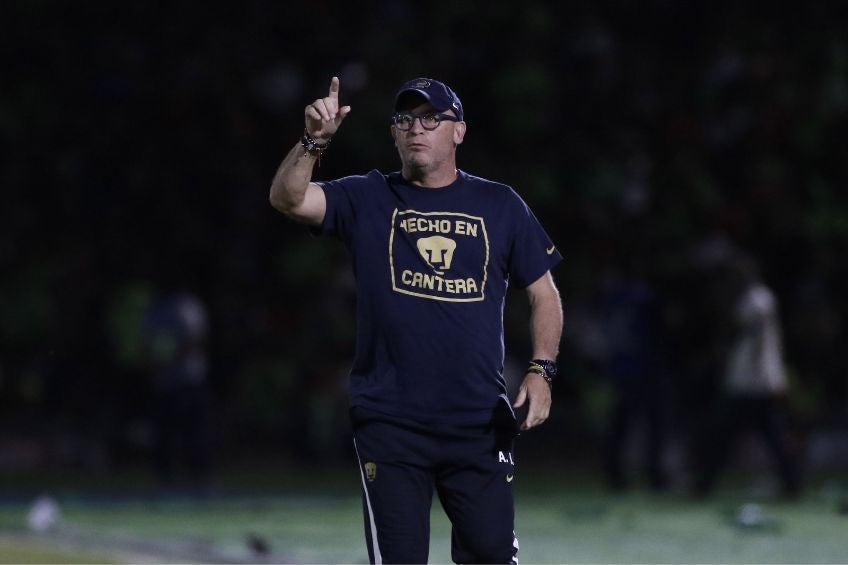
{"type": "Point", "coordinates": [292, 191]}
{"type": "Point", "coordinates": [293, 194]}
{"type": "Point", "coordinates": [545, 333]}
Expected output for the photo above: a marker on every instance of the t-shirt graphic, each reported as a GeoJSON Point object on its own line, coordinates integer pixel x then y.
{"type": "Point", "coordinates": [439, 255]}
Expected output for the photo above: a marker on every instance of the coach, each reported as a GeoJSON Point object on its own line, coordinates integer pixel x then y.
{"type": "Point", "coordinates": [433, 249]}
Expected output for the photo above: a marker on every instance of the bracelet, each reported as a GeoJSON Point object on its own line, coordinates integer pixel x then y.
{"type": "Point", "coordinates": [313, 146]}
{"type": "Point", "coordinates": [545, 368]}
{"type": "Point", "coordinates": [542, 374]}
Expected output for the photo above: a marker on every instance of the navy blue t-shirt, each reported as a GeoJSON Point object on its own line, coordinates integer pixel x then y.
{"type": "Point", "coordinates": [432, 267]}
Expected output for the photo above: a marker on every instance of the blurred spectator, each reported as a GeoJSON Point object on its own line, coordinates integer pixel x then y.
{"type": "Point", "coordinates": [176, 328]}
{"type": "Point", "coordinates": [755, 382]}
{"type": "Point", "coordinates": [632, 365]}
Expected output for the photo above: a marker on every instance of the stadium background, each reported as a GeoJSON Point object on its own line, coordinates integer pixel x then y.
{"type": "Point", "coordinates": [139, 140]}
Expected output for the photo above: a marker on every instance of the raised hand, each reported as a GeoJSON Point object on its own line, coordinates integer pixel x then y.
{"type": "Point", "coordinates": [323, 117]}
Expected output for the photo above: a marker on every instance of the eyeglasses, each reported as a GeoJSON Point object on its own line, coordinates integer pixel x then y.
{"type": "Point", "coordinates": [404, 121]}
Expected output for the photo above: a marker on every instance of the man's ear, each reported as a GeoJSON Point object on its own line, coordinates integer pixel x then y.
{"type": "Point", "coordinates": [459, 132]}
{"type": "Point", "coordinates": [394, 133]}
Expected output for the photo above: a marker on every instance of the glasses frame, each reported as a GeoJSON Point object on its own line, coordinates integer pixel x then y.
{"type": "Point", "coordinates": [396, 117]}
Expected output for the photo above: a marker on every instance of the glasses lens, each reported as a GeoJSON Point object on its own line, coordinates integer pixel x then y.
{"type": "Point", "coordinates": [430, 121]}
{"type": "Point", "coordinates": [403, 121]}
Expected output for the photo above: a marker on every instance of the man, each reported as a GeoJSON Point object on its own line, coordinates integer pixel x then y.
{"type": "Point", "coordinates": [175, 330]}
{"type": "Point", "coordinates": [755, 380]}
{"type": "Point", "coordinates": [433, 250]}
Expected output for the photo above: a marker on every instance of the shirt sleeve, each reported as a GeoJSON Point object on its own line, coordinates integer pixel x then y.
{"type": "Point", "coordinates": [341, 212]}
{"type": "Point", "coordinates": [532, 253]}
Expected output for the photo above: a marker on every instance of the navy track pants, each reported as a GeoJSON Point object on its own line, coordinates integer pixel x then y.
{"type": "Point", "coordinates": [472, 471]}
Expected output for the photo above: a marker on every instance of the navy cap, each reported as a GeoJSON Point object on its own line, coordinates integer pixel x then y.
{"type": "Point", "coordinates": [438, 94]}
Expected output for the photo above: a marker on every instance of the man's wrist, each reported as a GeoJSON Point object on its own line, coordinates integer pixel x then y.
{"type": "Point", "coordinates": [545, 368]}
{"type": "Point", "coordinates": [314, 145]}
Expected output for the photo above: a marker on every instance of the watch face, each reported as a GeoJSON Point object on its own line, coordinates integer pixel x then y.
{"type": "Point", "coordinates": [549, 367]}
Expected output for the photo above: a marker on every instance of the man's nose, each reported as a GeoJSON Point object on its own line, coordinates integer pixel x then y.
{"type": "Point", "coordinates": [416, 126]}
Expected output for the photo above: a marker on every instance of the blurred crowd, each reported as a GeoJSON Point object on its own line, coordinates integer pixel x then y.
{"type": "Point", "coordinates": [658, 143]}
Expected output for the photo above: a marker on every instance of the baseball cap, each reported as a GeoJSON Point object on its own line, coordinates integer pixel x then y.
{"type": "Point", "coordinates": [436, 93]}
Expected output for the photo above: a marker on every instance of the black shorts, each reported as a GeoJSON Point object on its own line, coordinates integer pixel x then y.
{"type": "Point", "coordinates": [470, 468]}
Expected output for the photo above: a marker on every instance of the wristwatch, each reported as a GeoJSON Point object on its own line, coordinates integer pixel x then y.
{"type": "Point", "coordinates": [545, 368]}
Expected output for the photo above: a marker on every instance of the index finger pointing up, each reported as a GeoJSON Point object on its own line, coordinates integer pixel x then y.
{"type": "Point", "coordinates": [334, 88]}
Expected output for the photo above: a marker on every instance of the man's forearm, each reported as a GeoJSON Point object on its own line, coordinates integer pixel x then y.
{"type": "Point", "coordinates": [546, 324]}
{"type": "Point", "coordinates": [288, 188]}
{"type": "Point", "coordinates": [545, 331]}
{"type": "Point", "coordinates": [291, 190]}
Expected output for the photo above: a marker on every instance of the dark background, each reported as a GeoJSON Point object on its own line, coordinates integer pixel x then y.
{"type": "Point", "coordinates": [139, 140]}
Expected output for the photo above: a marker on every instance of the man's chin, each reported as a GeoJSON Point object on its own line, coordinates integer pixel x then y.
{"type": "Point", "coordinates": [418, 164]}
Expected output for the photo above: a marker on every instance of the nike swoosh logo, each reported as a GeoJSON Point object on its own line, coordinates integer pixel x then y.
{"type": "Point", "coordinates": [551, 250]}
{"type": "Point", "coordinates": [509, 478]}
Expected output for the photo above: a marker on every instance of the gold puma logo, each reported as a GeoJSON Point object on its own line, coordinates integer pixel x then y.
{"type": "Point", "coordinates": [437, 251]}
{"type": "Point", "coordinates": [370, 471]}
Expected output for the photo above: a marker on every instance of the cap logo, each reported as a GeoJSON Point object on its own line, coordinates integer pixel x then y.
{"type": "Point", "coordinates": [422, 84]}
